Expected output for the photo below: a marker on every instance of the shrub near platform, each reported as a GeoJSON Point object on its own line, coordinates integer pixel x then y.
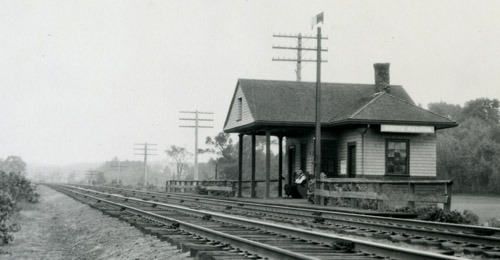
{"type": "Point", "coordinates": [494, 222]}
{"type": "Point", "coordinates": [14, 187]}
{"type": "Point", "coordinates": [7, 206]}
{"type": "Point", "coordinates": [439, 215]}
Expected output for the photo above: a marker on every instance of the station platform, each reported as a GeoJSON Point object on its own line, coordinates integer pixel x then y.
{"type": "Point", "coordinates": [303, 203]}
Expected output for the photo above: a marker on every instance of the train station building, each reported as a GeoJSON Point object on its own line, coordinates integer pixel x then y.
{"type": "Point", "coordinates": [373, 131]}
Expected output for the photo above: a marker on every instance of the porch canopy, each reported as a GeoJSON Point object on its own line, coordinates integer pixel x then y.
{"type": "Point", "coordinates": [287, 108]}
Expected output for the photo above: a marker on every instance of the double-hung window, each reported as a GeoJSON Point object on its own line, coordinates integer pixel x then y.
{"type": "Point", "coordinates": [397, 157]}
{"type": "Point", "coordinates": [239, 109]}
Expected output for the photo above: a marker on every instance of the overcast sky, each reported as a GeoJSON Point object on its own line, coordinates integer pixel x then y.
{"type": "Point", "coordinates": [85, 80]}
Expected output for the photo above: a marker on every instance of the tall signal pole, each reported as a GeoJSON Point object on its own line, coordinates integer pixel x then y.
{"type": "Point", "coordinates": [196, 125]}
{"type": "Point", "coordinates": [145, 152]}
{"type": "Point", "coordinates": [299, 48]}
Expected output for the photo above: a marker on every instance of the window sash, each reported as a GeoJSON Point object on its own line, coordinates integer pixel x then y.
{"type": "Point", "coordinates": [239, 109]}
{"type": "Point", "coordinates": [397, 157]}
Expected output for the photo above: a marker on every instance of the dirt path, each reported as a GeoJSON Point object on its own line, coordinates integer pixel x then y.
{"type": "Point", "coordinates": [61, 228]}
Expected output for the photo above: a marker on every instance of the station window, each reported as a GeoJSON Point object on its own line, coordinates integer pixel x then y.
{"type": "Point", "coordinates": [239, 109]}
{"type": "Point", "coordinates": [397, 157]}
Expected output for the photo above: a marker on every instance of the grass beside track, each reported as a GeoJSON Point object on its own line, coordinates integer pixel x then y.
{"type": "Point", "coordinates": [60, 228]}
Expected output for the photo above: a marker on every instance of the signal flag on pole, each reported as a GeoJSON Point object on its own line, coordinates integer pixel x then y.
{"type": "Point", "coordinates": [317, 19]}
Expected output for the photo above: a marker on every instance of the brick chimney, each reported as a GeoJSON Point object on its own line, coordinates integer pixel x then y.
{"type": "Point", "coordinates": [382, 78]}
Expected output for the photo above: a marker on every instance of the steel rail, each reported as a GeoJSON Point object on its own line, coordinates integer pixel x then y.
{"type": "Point", "coordinates": [235, 241]}
{"type": "Point", "coordinates": [366, 246]}
{"type": "Point", "coordinates": [394, 224]}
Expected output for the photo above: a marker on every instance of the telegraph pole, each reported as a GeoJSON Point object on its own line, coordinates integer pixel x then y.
{"type": "Point", "coordinates": [317, 163]}
{"type": "Point", "coordinates": [145, 152]}
{"type": "Point", "coordinates": [317, 154]}
{"type": "Point", "coordinates": [299, 48]}
{"type": "Point", "coordinates": [299, 59]}
{"type": "Point", "coordinates": [196, 125]}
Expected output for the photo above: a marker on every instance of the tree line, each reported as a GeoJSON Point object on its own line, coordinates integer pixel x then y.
{"type": "Point", "coordinates": [470, 153]}
{"type": "Point", "coordinates": [222, 165]}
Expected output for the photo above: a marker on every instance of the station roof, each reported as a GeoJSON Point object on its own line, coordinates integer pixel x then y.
{"type": "Point", "coordinates": [291, 103]}
{"type": "Point", "coordinates": [386, 108]}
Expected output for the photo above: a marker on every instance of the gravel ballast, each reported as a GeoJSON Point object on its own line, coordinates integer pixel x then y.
{"type": "Point", "coordinates": [61, 228]}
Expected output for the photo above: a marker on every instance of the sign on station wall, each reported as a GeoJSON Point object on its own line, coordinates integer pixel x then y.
{"type": "Point", "coordinates": [343, 167]}
{"type": "Point", "coordinates": [416, 129]}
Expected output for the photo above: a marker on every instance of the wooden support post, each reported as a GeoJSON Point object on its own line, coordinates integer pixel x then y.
{"type": "Point", "coordinates": [411, 204]}
{"type": "Point", "coordinates": [268, 163]}
{"type": "Point", "coordinates": [252, 181]}
{"type": "Point", "coordinates": [318, 186]}
{"type": "Point", "coordinates": [291, 167]}
{"type": "Point", "coordinates": [240, 166]}
{"type": "Point", "coordinates": [353, 200]}
{"type": "Point", "coordinates": [322, 186]}
{"type": "Point", "coordinates": [380, 203]}
{"type": "Point", "coordinates": [280, 166]}
{"type": "Point", "coordinates": [447, 205]}
{"type": "Point", "coordinates": [233, 187]}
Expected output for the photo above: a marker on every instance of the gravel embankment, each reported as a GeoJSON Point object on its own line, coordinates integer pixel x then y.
{"type": "Point", "coordinates": [60, 228]}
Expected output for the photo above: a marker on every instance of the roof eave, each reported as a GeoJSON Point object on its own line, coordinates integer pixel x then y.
{"type": "Point", "coordinates": [438, 125]}
{"type": "Point", "coordinates": [250, 126]}
{"type": "Point", "coordinates": [231, 104]}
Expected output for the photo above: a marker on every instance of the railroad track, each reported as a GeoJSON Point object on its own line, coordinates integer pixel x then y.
{"type": "Point", "coordinates": [439, 237]}
{"type": "Point", "coordinates": [211, 235]}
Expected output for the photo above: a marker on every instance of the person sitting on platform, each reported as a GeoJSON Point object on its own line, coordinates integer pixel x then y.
{"type": "Point", "coordinates": [301, 177]}
{"type": "Point", "coordinates": [299, 184]}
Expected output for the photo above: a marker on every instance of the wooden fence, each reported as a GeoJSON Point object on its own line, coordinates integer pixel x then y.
{"type": "Point", "coordinates": [377, 194]}
{"type": "Point", "coordinates": [215, 187]}
{"type": "Point", "coordinates": [182, 186]}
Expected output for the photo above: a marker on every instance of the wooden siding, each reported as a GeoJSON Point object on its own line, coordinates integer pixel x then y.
{"type": "Point", "coordinates": [342, 141]}
{"type": "Point", "coordinates": [246, 115]}
{"type": "Point", "coordinates": [422, 153]}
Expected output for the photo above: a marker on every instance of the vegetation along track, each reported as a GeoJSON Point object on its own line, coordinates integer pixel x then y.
{"type": "Point", "coordinates": [211, 235]}
{"type": "Point", "coordinates": [440, 237]}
